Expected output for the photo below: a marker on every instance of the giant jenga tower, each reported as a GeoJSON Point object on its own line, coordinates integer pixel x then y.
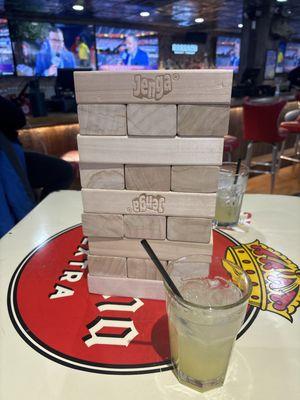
{"type": "Point", "coordinates": [150, 146]}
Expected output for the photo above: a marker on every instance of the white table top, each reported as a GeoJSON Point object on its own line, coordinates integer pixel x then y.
{"type": "Point", "coordinates": [265, 362]}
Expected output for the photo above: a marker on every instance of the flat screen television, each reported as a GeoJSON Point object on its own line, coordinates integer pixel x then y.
{"type": "Point", "coordinates": [122, 49]}
{"type": "Point", "coordinates": [228, 53]}
{"type": "Point", "coordinates": [270, 65]}
{"type": "Point", "coordinates": [6, 55]}
{"type": "Point", "coordinates": [291, 57]}
{"type": "Point", "coordinates": [41, 48]}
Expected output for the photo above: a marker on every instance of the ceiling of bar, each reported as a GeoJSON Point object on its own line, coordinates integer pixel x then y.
{"type": "Point", "coordinates": [225, 14]}
{"type": "Point", "coordinates": [165, 14]}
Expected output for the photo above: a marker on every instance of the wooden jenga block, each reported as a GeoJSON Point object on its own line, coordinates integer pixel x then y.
{"type": "Point", "coordinates": [167, 151]}
{"type": "Point", "coordinates": [102, 119]}
{"type": "Point", "coordinates": [107, 266]}
{"type": "Point", "coordinates": [132, 248]}
{"type": "Point", "coordinates": [203, 120]}
{"type": "Point", "coordinates": [143, 269]}
{"type": "Point", "coordinates": [106, 225]}
{"type": "Point", "coordinates": [189, 229]}
{"type": "Point", "coordinates": [127, 287]}
{"type": "Point", "coordinates": [149, 203]}
{"type": "Point", "coordinates": [151, 119]}
{"type": "Point", "coordinates": [102, 176]}
{"type": "Point", "coordinates": [148, 177]}
{"type": "Point", "coordinates": [145, 226]}
{"type": "Point", "coordinates": [172, 87]}
{"type": "Point", "coordinates": [194, 178]}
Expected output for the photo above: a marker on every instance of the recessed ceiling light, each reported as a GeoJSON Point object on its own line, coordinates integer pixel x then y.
{"type": "Point", "coordinates": [281, 1]}
{"type": "Point", "coordinates": [199, 20]}
{"type": "Point", "coordinates": [78, 7]}
{"type": "Point", "coordinates": [240, 25]}
{"type": "Point", "coordinates": [144, 14]}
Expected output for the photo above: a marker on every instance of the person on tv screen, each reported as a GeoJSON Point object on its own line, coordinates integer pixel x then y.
{"type": "Point", "coordinates": [25, 67]}
{"type": "Point", "coordinates": [83, 53]}
{"type": "Point", "coordinates": [235, 56]}
{"type": "Point", "coordinates": [53, 55]}
{"type": "Point", "coordinates": [134, 55]}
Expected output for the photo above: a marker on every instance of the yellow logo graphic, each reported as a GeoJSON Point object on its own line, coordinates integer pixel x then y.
{"type": "Point", "coordinates": [275, 278]}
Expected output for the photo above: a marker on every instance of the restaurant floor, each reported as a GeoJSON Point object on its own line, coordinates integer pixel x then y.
{"type": "Point", "coordinates": [287, 182]}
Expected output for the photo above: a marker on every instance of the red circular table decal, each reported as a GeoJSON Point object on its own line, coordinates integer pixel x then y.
{"type": "Point", "coordinates": [51, 308]}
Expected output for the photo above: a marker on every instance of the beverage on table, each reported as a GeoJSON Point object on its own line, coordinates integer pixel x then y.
{"type": "Point", "coordinates": [231, 189]}
{"type": "Point", "coordinates": [203, 326]}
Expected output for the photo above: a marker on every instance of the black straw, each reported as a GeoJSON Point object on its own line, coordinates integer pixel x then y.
{"type": "Point", "coordinates": [238, 167]}
{"type": "Point", "coordinates": [159, 266]}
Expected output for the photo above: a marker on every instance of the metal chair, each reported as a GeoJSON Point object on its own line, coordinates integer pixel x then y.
{"type": "Point", "coordinates": [230, 144]}
{"type": "Point", "coordinates": [261, 126]}
{"type": "Point", "coordinates": [291, 126]}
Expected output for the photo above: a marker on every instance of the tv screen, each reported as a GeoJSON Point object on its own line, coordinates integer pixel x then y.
{"type": "Point", "coordinates": [271, 58]}
{"type": "Point", "coordinates": [119, 49]}
{"type": "Point", "coordinates": [6, 54]}
{"type": "Point", "coordinates": [41, 48]}
{"type": "Point", "coordinates": [228, 53]}
{"type": "Point", "coordinates": [291, 57]}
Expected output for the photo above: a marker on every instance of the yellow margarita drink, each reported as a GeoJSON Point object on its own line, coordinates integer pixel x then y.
{"type": "Point", "coordinates": [228, 207]}
{"type": "Point", "coordinates": [203, 328]}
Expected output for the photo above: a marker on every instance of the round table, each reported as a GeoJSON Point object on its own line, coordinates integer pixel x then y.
{"type": "Point", "coordinates": [266, 358]}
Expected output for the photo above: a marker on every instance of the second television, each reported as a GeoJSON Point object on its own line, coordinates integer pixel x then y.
{"type": "Point", "coordinates": [6, 56]}
{"type": "Point", "coordinates": [228, 52]}
{"type": "Point", "coordinates": [122, 49]}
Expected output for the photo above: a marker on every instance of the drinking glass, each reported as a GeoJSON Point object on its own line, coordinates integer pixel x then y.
{"type": "Point", "coordinates": [204, 323]}
{"type": "Point", "coordinates": [231, 189]}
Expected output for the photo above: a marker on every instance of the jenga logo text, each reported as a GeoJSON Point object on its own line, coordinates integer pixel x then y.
{"type": "Point", "coordinates": [148, 202]}
{"type": "Point", "coordinates": [149, 88]}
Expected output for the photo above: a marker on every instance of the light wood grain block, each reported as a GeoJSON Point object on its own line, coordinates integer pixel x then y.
{"type": "Point", "coordinates": [189, 229]}
{"type": "Point", "coordinates": [106, 225]}
{"type": "Point", "coordinates": [203, 120]}
{"type": "Point", "coordinates": [145, 226]}
{"type": "Point", "coordinates": [132, 248]}
{"type": "Point", "coordinates": [166, 151]}
{"type": "Point", "coordinates": [127, 287]}
{"type": "Point", "coordinates": [194, 179]}
{"type": "Point", "coordinates": [107, 266]}
{"type": "Point", "coordinates": [140, 268]}
{"type": "Point", "coordinates": [102, 119]}
{"type": "Point", "coordinates": [172, 86]}
{"type": "Point", "coordinates": [149, 203]}
{"type": "Point", "coordinates": [148, 177]}
{"type": "Point", "coordinates": [102, 176]}
{"type": "Point", "coordinates": [152, 119]}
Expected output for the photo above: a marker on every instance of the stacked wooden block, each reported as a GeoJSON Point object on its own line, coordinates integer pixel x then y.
{"type": "Point", "coordinates": [150, 145]}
